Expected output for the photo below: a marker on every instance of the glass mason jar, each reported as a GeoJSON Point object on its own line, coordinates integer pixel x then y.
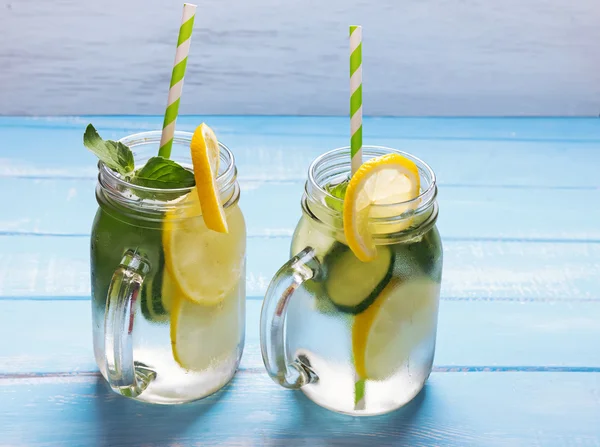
{"type": "Point", "coordinates": [357, 338]}
{"type": "Point", "coordinates": [168, 294]}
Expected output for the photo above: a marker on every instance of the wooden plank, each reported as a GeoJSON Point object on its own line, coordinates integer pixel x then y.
{"type": "Point", "coordinates": [505, 335]}
{"type": "Point", "coordinates": [514, 152]}
{"type": "Point", "coordinates": [456, 409]}
{"type": "Point", "coordinates": [533, 58]}
{"type": "Point", "coordinates": [515, 129]}
{"type": "Point", "coordinates": [66, 344]}
{"type": "Point", "coordinates": [68, 207]}
{"type": "Point", "coordinates": [34, 266]}
{"type": "Point", "coordinates": [44, 266]}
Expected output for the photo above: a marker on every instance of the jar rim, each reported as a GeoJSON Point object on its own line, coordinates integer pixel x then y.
{"type": "Point", "coordinates": [141, 138]}
{"type": "Point", "coordinates": [424, 198]}
{"type": "Point", "coordinates": [150, 204]}
{"type": "Point", "coordinates": [390, 219]}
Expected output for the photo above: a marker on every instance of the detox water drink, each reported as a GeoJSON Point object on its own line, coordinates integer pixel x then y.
{"type": "Point", "coordinates": [356, 337]}
{"type": "Point", "coordinates": [184, 325]}
{"type": "Point", "coordinates": [167, 256]}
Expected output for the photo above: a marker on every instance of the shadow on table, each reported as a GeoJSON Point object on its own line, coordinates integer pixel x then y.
{"type": "Point", "coordinates": [126, 422]}
{"type": "Point", "coordinates": [251, 410]}
{"type": "Point", "coordinates": [317, 426]}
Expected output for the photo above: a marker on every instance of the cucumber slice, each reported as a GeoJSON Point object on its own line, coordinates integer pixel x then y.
{"type": "Point", "coordinates": [353, 285]}
{"type": "Point", "coordinates": [151, 304]}
{"type": "Point", "coordinates": [316, 286]}
{"type": "Point", "coordinates": [157, 298]}
{"type": "Point", "coordinates": [153, 307]}
{"type": "Point", "coordinates": [144, 302]}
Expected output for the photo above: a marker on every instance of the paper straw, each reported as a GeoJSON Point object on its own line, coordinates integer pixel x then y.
{"type": "Point", "coordinates": [359, 393]}
{"type": "Point", "coordinates": [356, 97]}
{"type": "Point", "coordinates": [181, 57]}
{"type": "Point", "coordinates": [356, 149]}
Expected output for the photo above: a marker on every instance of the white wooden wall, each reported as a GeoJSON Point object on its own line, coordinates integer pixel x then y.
{"type": "Point", "coordinates": [421, 57]}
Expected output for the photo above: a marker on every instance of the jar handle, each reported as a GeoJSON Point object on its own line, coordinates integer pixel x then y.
{"type": "Point", "coordinates": [290, 277]}
{"type": "Point", "coordinates": [123, 376]}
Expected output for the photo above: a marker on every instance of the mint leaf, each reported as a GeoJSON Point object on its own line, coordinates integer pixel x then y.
{"type": "Point", "coordinates": [162, 173]}
{"type": "Point", "coordinates": [339, 192]}
{"type": "Point", "coordinates": [113, 154]}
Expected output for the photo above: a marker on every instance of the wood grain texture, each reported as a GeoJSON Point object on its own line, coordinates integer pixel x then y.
{"type": "Point", "coordinates": [519, 153]}
{"type": "Point", "coordinates": [273, 209]}
{"type": "Point", "coordinates": [517, 362]}
{"type": "Point", "coordinates": [432, 57]}
{"type": "Point", "coordinates": [44, 267]}
{"type": "Point", "coordinates": [471, 336]}
{"type": "Point", "coordinates": [455, 409]}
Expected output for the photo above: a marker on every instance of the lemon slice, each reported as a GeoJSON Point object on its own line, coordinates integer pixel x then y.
{"type": "Point", "coordinates": [203, 264]}
{"type": "Point", "coordinates": [205, 159]}
{"type": "Point", "coordinates": [203, 337]}
{"type": "Point", "coordinates": [385, 334]}
{"type": "Point", "coordinates": [387, 180]}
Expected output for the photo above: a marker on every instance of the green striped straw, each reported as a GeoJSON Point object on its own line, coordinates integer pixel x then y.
{"type": "Point", "coordinates": [356, 149]}
{"type": "Point", "coordinates": [181, 57]}
{"type": "Point", "coordinates": [356, 96]}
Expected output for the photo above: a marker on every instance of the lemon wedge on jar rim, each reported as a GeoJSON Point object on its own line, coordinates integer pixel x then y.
{"type": "Point", "coordinates": [205, 159]}
{"type": "Point", "coordinates": [387, 180]}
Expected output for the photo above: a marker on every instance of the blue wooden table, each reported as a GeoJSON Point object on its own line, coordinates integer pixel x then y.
{"type": "Point", "coordinates": [518, 357]}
